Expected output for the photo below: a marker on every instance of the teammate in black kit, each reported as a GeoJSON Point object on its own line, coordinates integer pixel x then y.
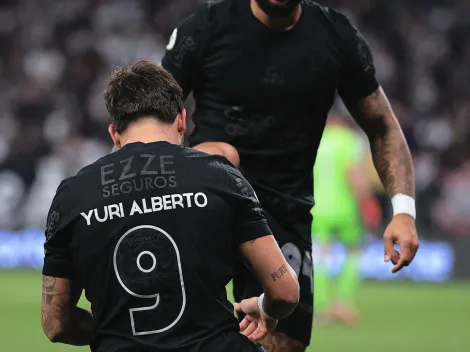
{"type": "Point", "coordinates": [151, 233]}
{"type": "Point", "coordinates": [264, 74]}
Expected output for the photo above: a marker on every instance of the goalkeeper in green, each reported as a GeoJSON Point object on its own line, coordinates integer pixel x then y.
{"type": "Point", "coordinates": [344, 207]}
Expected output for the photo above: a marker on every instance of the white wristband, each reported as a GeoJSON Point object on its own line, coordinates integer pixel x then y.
{"type": "Point", "coordinates": [262, 313]}
{"type": "Point", "coordinates": [403, 204]}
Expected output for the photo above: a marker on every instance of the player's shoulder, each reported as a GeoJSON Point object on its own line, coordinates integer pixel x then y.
{"type": "Point", "coordinates": [218, 12]}
{"type": "Point", "coordinates": [333, 19]}
{"type": "Point", "coordinates": [327, 13]}
{"type": "Point", "coordinates": [221, 9]}
{"type": "Point", "coordinates": [70, 187]}
{"type": "Point", "coordinates": [74, 185]}
{"type": "Point", "coordinates": [210, 161]}
{"type": "Point", "coordinates": [66, 187]}
{"type": "Point", "coordinates": [213, 167]}
{"type": "Point", "coordinates": [65, 202]}
{"type": "Point", "coordinates": [94, 167]}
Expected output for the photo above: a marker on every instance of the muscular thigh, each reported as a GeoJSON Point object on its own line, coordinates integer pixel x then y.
{"type": "Point", "coordinates": [296, 329]}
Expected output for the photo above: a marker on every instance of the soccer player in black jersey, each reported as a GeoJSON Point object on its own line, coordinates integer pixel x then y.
{"type": "Point", "coordinates": [264, 74]}
{"type": "Point", "coordinates": [152, 233]}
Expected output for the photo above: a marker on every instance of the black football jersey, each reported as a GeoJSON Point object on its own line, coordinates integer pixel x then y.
{"type": "Point", "coordinates": [151, 233]}
{"type": "Point", "coordinates": [269, 92]}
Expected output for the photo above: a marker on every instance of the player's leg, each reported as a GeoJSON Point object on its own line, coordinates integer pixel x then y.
{"type": "Point", "coordinates": [220, 148]}
{"type": "Point", "coordinates": [348, 283]}
{"type": "Point", "coordinates": [293, 333]}
{"type": "Point", "coordinates": [321, 236]}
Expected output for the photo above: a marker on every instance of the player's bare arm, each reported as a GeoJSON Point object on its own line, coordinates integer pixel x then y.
{"type": "Point", "coordinates": [390, 151]}
{"type": "Point", "coordinates": [394, 165]}
{"type": "Point", "coordinates": [61, 319]}
{"type": "Point", "coordinates": [280, 284]}
{"type": "Point", "coordinates": [278, 279]}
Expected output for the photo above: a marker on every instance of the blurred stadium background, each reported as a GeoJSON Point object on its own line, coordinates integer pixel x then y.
{"type": "Point", "coordinates": [55, 56]}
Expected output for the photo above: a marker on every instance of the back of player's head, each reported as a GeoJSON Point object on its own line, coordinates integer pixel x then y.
{"type": "Point", "coordinates": [142, 89]}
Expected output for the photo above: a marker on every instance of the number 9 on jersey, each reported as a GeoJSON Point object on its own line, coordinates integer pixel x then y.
{"type": "Point", "coordinates": [147, 265]}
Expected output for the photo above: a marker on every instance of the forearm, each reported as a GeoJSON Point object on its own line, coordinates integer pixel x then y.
{"type": "Point", "coordinates": [392, 159]}
{"type": "Point", "coordinates": [278, 309]}
{"type": "Point", "coordinates": [280, 302]}
{"type": "Point", "coordinates": [77, 329]}
{"type": "Point", "coordinates": [390, 152]}
{"type": "Point", "coordinates": [62, 321]}
{"type": "Point", "coordinates": [278, 279]}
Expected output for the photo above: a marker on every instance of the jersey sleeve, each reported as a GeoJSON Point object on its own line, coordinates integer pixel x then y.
{"type": "Point", "coordinates": [57, 257]}
{"type": "Point", "coordinates": [250, 221]}
{"type": "Point", "coordinates": [358, 79]}
{"type": "Point", "coordinates": [183, 52]}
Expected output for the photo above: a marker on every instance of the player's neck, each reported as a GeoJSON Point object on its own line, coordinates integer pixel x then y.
{"type": "Point", "coordinates": [149, 132]}
{"type": "Point", "coordinates": [277, 23]}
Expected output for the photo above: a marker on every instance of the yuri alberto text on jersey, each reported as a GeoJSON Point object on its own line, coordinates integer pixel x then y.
{"type": "Point", "coordinates": [146, 205]}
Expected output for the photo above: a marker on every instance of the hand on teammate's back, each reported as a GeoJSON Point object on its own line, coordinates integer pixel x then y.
{"type": "Point", "coordinates": [401, 231]}
{"type": "Point", "coordinates": [254, 326]}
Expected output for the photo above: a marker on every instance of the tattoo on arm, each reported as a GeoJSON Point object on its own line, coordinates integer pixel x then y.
{"type": "Point", "coordinates": [390, 152]}
{"type": "Point", "coordinates": [276, 275]}
{"type": "Point", "coordinates": [61, 320]}
{"type": "Point", "coordinates": [48, 293]}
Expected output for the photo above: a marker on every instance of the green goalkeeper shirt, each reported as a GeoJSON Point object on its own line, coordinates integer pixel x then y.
{"type": "Point", "coordinates": [339, 149]}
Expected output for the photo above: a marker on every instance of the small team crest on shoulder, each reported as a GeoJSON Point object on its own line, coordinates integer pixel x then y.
{"type": "Point", "coordinates": [171, 43]}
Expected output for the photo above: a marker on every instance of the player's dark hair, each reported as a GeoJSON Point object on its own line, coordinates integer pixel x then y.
{"type": "Point", "coordinates": [142, 89]}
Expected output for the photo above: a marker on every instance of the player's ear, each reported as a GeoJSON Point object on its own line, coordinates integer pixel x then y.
{"type": "Point", "coordinates": [181, 122]}
{"type": "Point", "coordinates": [114, 135]}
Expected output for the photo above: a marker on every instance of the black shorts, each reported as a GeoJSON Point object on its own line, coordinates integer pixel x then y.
{"type": "Point", "coordinates": [298, 252]}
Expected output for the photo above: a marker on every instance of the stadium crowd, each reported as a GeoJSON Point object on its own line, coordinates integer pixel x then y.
{"type": "Point", "coordinates": [55, 56]}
